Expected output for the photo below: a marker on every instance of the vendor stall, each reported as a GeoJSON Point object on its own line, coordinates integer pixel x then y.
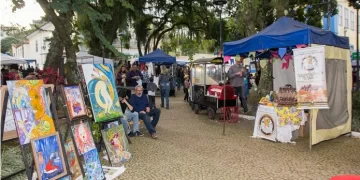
{"type": "Point", "coordinates": [159, 57]}
{"type": "Point", "coordinates": [318, 73]}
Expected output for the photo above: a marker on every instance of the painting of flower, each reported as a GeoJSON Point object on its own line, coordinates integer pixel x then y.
{"type": "Point", "coordinates": [74, 101]}
{"type": "Point", "coordinates": [102, 91]}
{"type": "Point", "coordinates": [48, 156]}
{"type": "Point", "coordinates": [31, 109]}
{"type": "Point", "coordinates": [116, 145]}
{"type": "Point", "coordinates": [72, 160]}
{"type": "Point", "coordinates": [83, 138]}
{"type": "Point", "coordinates": [93, 165]}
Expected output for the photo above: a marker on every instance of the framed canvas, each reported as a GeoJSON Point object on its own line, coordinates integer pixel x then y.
{"type": "Point", "coordinates": [66, 178]}
{"type": "Point", "coordinates": [31, 109]}
{"type": "Point", "coordinates": [83, 138]}
{"type": "Point", "coordinates": [93, 165]}
{"type": "Point", "coordinates": [48, 157]}
{"type": "Point", "coordinates": [116, 145]}
{"type": "Point", "coordinates": [73, 160]}
{"type": "Point", "coordinates": [102, 92]}
{"type": "Point", "coordinates": [75, 103]}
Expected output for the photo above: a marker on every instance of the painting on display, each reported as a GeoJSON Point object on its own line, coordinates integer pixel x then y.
{"type": "Point", "coordinates": [48, 156]}
{"type": "Point", "coordinates": [30, 109]}
{"type": "Point", "coordinates": [116, 144]}
{"type": "Point", "coordinates": [265, 123]}
{"type": "Point", "coordinates": [74, 101]}
{"type": "Point", "coordinates": [83, 138]}
{"type": "Point", "coordinates": [66, 178]}
{"type": "Point", "coordinates": [73, 160]}
{"type": "Point", "coordinates": [310, 77]}
{"type": "Point", "coordinates": [93, 165]}
{"type": "Point", "coordinates": [102, 91]}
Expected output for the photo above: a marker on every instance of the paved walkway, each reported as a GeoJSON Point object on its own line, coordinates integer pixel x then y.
{"type": "Point", "coordinates": [192, 147]}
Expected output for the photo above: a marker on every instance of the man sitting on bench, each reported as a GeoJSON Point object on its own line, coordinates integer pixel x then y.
{"type": "Point", "coordinates": [140, 103]}
{"type": "Point", "coordinates": [130, 115]}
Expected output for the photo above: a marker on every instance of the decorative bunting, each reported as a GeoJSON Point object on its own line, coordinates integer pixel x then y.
{"type": "Point", "coordinates": [282, 52]}
{"type": "Point", "coordinates": [252, 54]}
{"type": "Point", "coordinates": [286, 62]}
{"type": "Point", "coordinates": [301, 46]}
{"type": "Point", "coordinates": [227, 58]}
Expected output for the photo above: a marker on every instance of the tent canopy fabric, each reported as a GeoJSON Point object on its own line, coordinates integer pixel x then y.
{"type": "Point", "coordinates": [283, 33]}
{"type": "Point", "coordinates": [158, 56]}
{"type": "Point", "coordinates": [6, 60]}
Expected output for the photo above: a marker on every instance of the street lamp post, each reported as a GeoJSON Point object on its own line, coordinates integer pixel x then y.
{"type": "Point", "coordinates": [357, 46]}
{"type": "Point", "coordinates": [220, 4]}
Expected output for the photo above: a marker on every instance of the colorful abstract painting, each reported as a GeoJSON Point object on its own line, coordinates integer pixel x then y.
{"type": "Point", "coordinates": [116, 144]}
{"type": "Point", "coordinates": [102, 91]}
{"type": "Point", "coordinates": [48, 156]}
{"type": "Point", "coordinates": [31, 109]}
{"type": "Point", "coordinates": [94, 170]}
{"type": "Point", "coordinates": [74, 101]}
{"type": "Point", "coordinates": [66, 178]}
{"type": "Point", "coordinates": [73, 160]}
{"type": "Point", "coordinates": [83, 138]}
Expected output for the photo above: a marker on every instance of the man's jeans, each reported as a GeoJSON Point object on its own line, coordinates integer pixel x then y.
{"type": "Point", "coordinates": [164, 92]}
{"type": "Point", "coordinates": [155, 113]}
{"type": "Point", "coordinates": [240, 92]}
{"type": "Point", "coordinates": [133, 116]}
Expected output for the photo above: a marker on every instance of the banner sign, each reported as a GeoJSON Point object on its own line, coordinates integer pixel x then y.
{"type": "Point", "coordinates": [310, 77]}
{"type": "Point", "coordinates": [265, 123]}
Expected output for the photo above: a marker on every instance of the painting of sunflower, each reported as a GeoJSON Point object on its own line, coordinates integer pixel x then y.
{"type": "Point", "coordinates": [30, 109]}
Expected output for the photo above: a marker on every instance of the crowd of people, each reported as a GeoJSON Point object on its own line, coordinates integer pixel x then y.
{"type": "Point", "coordinates": [16, 72]}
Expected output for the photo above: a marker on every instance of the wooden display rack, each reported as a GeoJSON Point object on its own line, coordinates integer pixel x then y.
{"type": "Point", "coordinates": [29, 164]}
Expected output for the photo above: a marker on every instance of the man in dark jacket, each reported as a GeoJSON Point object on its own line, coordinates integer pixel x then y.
{"type": "Point", "coordinates": [134, 76]}
{"type": "Point", "coordinates": [140, 104]}
{"type": "Point", "coordinates": [236, 74]}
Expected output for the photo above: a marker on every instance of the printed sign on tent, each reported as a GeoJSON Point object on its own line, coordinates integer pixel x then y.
{"type": "Point", "coordinates": [310, 77]}
{"type": "Point", "coordinates": [265, 123]}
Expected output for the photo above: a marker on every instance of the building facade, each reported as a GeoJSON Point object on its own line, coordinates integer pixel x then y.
{"type": "Point", "coordinates": [344, 23]}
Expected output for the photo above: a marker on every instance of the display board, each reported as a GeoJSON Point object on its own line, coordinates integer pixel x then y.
{"type": "Point", "coordinates": [310, 77]}
{"type": "Point", "coordinates": [265, 123]}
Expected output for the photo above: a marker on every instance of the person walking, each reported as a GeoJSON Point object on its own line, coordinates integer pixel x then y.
{"type": "Point", "coordinates": [164, 81]}
{"type": "Point", "coordinates": [236, 74]}
{"type": "Point", "coordinates": [145, 80]}
{"type": "Point", "coordinates": [186, 88]}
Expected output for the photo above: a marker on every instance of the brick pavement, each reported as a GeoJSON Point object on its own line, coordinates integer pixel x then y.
{"type": "Point", "coordinates": [192, 147]}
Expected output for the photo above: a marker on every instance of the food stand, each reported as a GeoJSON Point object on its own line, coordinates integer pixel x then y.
{"type": "Point", "coordinates": [283, 41]}
{"type": "Point", "coordinates": [207, 89]}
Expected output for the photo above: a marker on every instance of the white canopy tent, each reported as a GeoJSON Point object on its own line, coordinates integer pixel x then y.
{"type": "Point", "coordinates": [7, 60]}
{"type": "Point", "coordinates": [85, 58]}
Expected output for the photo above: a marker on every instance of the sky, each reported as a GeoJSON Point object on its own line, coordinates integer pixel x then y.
{"type": "Point", "coordinates": [23, 17]}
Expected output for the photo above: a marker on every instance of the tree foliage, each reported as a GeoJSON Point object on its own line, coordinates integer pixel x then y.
{"type": "Point", "coordinates": [7, 43]}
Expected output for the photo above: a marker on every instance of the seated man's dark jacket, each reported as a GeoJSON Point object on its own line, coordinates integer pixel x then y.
{"type": "Point", "coordinates": [139, 103]}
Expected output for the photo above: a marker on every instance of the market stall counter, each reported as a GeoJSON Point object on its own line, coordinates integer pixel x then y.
{"type": "Point", "coordinates": [278, 123]}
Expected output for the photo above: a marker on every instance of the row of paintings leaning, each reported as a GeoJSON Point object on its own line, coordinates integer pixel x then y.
{"type": "Point", "coordinates": [34, 123]}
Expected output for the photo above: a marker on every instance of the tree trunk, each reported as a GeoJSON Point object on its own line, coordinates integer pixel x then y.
{"type": "Point", "coordinates": [54, 56]}
{"type": "Point", "coordinates": [64, 28]}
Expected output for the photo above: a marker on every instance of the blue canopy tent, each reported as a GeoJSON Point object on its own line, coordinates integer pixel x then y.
{"type": "Point", "coordinates": [158, 56]}
{"type": "Point", "coordinates": [286, 33]}
{"type": "Point", "coordinates": [283, 33]}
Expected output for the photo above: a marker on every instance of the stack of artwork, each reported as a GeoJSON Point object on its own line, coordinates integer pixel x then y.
{"type": "Point", "coordinates": [86, 147]}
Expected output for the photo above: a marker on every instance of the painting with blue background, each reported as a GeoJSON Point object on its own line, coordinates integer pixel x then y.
{"type": "Point", "coordinates": [93, 166]}
{"type": "Point", "coordinates": [52, 164]}
{"type": "Point", "coordinates": [99, 95]}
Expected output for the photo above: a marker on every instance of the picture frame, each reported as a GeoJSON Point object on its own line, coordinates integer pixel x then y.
{"type": "Point", "coordinates": [48, 160]}
{"type": "Point", "coordinates": [77, 109]}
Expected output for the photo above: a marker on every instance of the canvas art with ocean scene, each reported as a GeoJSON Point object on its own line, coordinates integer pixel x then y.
{"type": "Point", "coordinates": [72, 160]}
{"type": "Point", "coordinates": [102, 91]}
{"type": "Point", "coordinates": [94, 170]}
{"type": "Point", "coordinates": [48, 156]}
{"type": "Point", "coordinates": [116, 145]}
{"type": "Point", "coordinates": [74, 101]}
{"type": "Point", "coordinates": [31, 109]}
{"type": "Point", "coordinates": [83, 138]}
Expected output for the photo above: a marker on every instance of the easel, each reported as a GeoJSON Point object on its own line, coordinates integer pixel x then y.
{"type": "Point", "coordinates": [30, 168]}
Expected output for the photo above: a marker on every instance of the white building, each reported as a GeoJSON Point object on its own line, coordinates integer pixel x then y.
{"type": "Point", "coordinates": [344, 23]}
